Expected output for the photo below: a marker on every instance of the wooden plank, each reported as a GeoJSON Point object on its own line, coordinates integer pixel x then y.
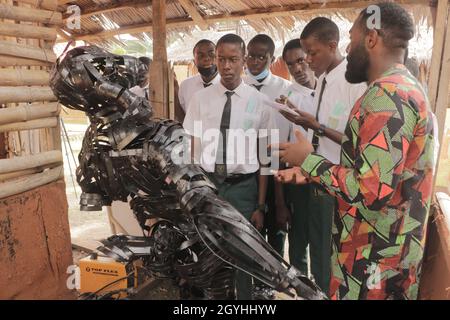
{"type": "Point", "coordinates": [30, 14]}
{"type": "Point", "coordinates": [251, 14]}
{"type": "Point", "coordinates": [23, 51]}
{"type": "Point", "coordinates": [158, 76]}
{"type": "Point", "coordinates": [438, 46]}
{"type": "Point", "coordinates": [193, 12]}
{"type": "Point", "coordinates": [27, 31]}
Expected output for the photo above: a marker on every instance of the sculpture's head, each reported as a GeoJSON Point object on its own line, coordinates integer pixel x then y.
{"type": "Point", "coordinates": [96, 82]}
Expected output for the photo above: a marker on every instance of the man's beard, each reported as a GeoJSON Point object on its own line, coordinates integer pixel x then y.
{"type": "Point", "coordinates": [358, 65]}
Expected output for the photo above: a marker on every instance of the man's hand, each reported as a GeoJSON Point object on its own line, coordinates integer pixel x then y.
{"type": "Point", "coordinates": [283, 217]}
{"type": "Point", "coordinates": [293, 153]}
{"type": "Point", "coordinates": [257, 219]}
{"type": "Point", "coordinates": [304, 119]}
{"type": "Point", "coordinates": [292, 175]}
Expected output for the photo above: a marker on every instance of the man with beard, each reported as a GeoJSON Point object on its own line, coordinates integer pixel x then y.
{"type": "Point", "coordinates": [384, 180]}
{"type": "Point", "coordinates": [334, 98]}
{"type": "Point", "coordinates": [204, 59]}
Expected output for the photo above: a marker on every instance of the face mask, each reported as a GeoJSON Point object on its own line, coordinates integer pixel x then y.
{"type": "Point", "coordinates": [207, 72]}
{"type": "Point", "coordinates": [260, 76]}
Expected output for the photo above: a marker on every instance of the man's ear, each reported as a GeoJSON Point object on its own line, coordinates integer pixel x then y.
{"type": "Point", "coordinates": [272, 60]}
{"type": "Point", "coordinates": [372, 38]}
{"type": "Point", "coordinates": [333, 45]}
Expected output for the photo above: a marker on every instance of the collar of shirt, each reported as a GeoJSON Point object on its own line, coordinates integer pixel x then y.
{"type": "Point", "coordinates": [215, 80]}
{"type": "Point", "coordinates": [251, 81]}
{"type": "Point", "coordinates": [302, 89]}
{"type": "Point", "coordinates": [336, 72]}
{"type": "Point", "coordinates": [239, 90]}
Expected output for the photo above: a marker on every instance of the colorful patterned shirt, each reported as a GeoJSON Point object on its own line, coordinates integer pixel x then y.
{"type": "Point", "coordinates": [383, 189]}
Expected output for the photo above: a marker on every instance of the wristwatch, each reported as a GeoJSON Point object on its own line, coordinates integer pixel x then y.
{"type": "Point", "coordinates": [261, 207]}
{"type": "Point", "coordinates": [321, 130]}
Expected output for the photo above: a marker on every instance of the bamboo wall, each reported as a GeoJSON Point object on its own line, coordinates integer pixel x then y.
{"type": "Point", "coordinates": [35, 247]}
{"type": "Point", "coordinates": [29, 114]}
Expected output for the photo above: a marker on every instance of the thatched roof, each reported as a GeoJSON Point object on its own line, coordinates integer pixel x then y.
{"type": "Point", "coordinates": [103, 20]}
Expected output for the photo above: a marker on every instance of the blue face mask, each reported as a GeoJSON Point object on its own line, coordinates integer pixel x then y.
{"type": "Point", "coordinates": [260, 76]}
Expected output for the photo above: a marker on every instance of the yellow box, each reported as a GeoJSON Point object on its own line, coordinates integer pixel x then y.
{"type": "Point", "coordinates": [103, 274]}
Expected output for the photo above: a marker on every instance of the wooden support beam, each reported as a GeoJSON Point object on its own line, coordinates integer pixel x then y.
{"type": "Point", "coordinates": [22, 51]}
{"type": "Point", "coordinates": [242, 15]}
{"type": "Point", "coordinates": [111, 7]}
{"type": "Point", "coordinates": [195, 15]}
{"type": "Point", "coordinates": [27, 31]}
{"type": "Point", "coordinates": [438, 46]}
{"type": "Point", "coordinates": [30, 14]}
{"type": "Point", "coordinates": [42, 4]}
{"type": "Point", "coordinates": [158, 75]}
{"type": "Point", "coordinates": [442, 99]}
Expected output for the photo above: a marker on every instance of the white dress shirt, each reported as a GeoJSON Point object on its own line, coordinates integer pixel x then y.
{"type": "Point", "coordinates": [190, 86]}
{"type": "Point", "coordinates": [274, 86]}
{"type": "Point", "coordinates": [303, 98]}
{"type": "Point", "coordinates": [338, 99]}
{"type": "Point", "coordinates": [248, 116]}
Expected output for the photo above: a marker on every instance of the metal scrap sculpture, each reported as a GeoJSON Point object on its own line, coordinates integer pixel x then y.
{"type": "Point", "coordinates": [200, 238]}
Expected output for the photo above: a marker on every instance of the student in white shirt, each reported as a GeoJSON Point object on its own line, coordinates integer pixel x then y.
{"type": "Point", "coordinates": [301, 94]}
{"type": "Point", "coordinates": [143, 87]}
{"type": "Point", "coordinates": [333, 100]}
{"type": "Point", "coordinates": [204, 59]}
{"type": "Point", "coordinates": [231, 159]}
{"type": "Point", "coordinates": [260, 55]}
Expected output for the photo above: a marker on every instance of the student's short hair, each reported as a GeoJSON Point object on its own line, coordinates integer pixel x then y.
{"type": "Point", "coordinates": [203, 41]}
{"type": "Point", "coordinates": [397, 26]}
{"type": "Point", "coordinates": [233, 39]}
{"type": "Point", "coordinates": [291, 44]}
{"type": "Point", "coordinates": [321, 28]}
{"type": "Point", "coordinates": [263, 39]}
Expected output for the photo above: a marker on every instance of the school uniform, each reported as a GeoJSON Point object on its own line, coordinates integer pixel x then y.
{"type": "Point", "coordinates": [247, 114]}
{"type": "Point", "coordinates": [190, 86]}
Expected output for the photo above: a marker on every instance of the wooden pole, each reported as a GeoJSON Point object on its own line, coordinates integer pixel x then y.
{"type": "Point", "coordinates": [159, 67]}
{"type": "Point", "coordinates": [23, 77]}
{"type": "Point", "coordinates": [31, 161]}
{"type": "Point", "coordinates": [27, 31]}
{"type": "Point", "coordinates": [50, 122]}
{"type": "Point", "coordinates": [26, 94]}
{"type": "Point", "coordinates": [28, 112]}
{"type": "Point", "coordinates": [8, 61]}
{"type": "Point", "coordinates": [30, 14]}
{"type": "Point", "coordinates": [23, 51]}
{"type": "Point", "coordinates": [42, 4]}
{"type": "Point", "coordinates": [30, 182]}
{"type": "Point", "coordinates": [442, 99]}
{"type": "Point", "coordinates": [438, 45]}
